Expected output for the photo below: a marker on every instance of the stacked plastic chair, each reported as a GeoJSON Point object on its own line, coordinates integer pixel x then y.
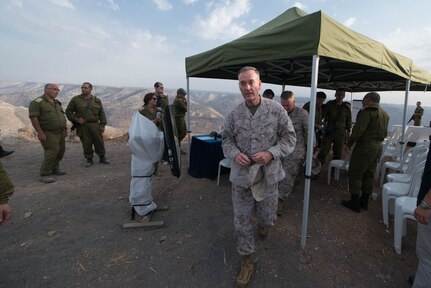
{"type": "Point", "coordinates": [393, 190]}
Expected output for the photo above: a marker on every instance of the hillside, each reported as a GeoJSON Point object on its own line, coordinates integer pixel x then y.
{"type": "Point", "coordinates": [208, 108]}
{"type": "Point", "coordinates": [119, 104]}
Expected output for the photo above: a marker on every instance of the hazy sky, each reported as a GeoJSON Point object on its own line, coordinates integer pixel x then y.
{"type": "Point", "coordinates": [139, 42]}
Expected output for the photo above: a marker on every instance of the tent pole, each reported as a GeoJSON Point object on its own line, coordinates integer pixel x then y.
{"type": "Point", "coordinates": [188, 123]}
{"type": "Point", "coordinates": [310, 141]}
{"type": "Point", "coordinates": [406, 101]}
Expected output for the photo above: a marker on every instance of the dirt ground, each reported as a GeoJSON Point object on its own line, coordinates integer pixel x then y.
{"type": "Point", "coordinates": [68, 234]}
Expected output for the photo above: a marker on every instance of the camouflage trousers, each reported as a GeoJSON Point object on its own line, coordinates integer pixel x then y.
{"type": "Point", "coordinates": [244, 206]}
{"type": "Point", "coordinates": [291, 167]}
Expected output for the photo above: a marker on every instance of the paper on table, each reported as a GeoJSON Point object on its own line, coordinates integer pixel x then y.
{"type": "Point", "coordinates": [203, 138]}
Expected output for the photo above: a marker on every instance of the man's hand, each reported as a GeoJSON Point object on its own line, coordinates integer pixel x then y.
{"type": "Point", "coordinates": [5, 213]}
{"type": "Point", "coordinates": [422, 215]}
{"type": "Point", "coordinates": [346, 149]}
{"type": "Point", "coordinates": [242, 160]}
{"type": "Point", "coordinates": [263, 157]}
{"type": "Point", "coordinates": [80, 120]}
{"type": "Point", "coordinates": [41, 136]}
{"type": "Point", "coordinates": [102, 129]}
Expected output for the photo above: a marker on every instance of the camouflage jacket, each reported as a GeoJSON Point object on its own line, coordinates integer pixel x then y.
{"type": "Point", "coordinates": [269, 129]}
{"type": "Point", "coordinates": [299, 119]}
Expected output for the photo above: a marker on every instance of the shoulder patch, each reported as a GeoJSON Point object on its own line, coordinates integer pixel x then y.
{"type": "Point", "coordinates": [38, 100]}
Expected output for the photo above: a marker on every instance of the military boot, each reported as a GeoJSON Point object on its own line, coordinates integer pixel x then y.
{"type": "Point", "coordinates": [262, 230]}
{"type": "Point", "coordinates": [363, 201]}
{"type": "Point", "coordinates": [353, 204]}
{"type": "Point", "coordinates": [280, 207]}
{"type": "Point", "coordinates": [89, 162]}
{"type": "Point", "coordinates": [247, 269]}
{"type": "Point", "coordinates": [4, 153]}
{"type": "Point", "coordinates": [103, 160]}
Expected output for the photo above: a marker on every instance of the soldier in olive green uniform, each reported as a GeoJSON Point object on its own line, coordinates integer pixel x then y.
{"type": "Point", "coordinates": [151, 111]}
{"type": "Point", "coordinates": [162, 102]}
{"type": "Point", "coordinates": [417, 115]}
{"type": "Point", "coordinates": [320, 112]}
{"type": "Point", "coordinates": [6, 190]}
{"type": "Point", "coordinates": [370, 130]}
{"type": "Point", "coordinates": [162, 99]}
{"type": "Point", "coordinates": [47, 117]}
{"type": "Point", "coordinates": [338, 122]}
{"type": "Point", "coordinates": [86, 112]}
{"type": "Point", "coordinates": [180, 109]}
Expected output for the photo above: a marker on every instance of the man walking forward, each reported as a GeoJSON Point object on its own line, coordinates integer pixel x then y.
{"type": "Point", "coordinates": [257, 133]}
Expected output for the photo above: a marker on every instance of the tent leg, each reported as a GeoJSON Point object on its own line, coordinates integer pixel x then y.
{"type": "Point", "coordinates": [311, 117]}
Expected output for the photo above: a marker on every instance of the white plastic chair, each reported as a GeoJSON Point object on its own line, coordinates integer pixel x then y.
{"type": "Point", "coordinates": [393, 190]}
{"type": "Point", "coordinates": [337, 165]}
{"type": "Point", "coordinates": [404, 209]}
{"type": "Point", "coordinates": [406, 176]}
{"type": "Point", "coordinates": [390, 150]}
{"type": "Point", "coordinates": [225, 163]}
{"type": "Point", "coordinates": [400, 165]}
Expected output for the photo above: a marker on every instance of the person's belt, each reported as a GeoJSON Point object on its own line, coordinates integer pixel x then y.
{"type": "Point", "coordinates": [55, 130]}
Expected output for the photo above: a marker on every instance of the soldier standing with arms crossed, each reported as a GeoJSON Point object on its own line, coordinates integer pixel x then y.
{"type": "Point", "coordinates": [370, 130]}
{"type": "Point", "coordinates": [47, 117]}
{"type": "Point", "coordinates": [257, 134]}
{"type": "Point", "coordinates": [86, 112]}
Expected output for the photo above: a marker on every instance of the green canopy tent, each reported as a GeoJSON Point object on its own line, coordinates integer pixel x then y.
{"type": "Point", "coordinates": [311, 50]}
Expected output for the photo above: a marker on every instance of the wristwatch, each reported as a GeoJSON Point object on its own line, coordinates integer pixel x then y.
{"type": "Point", "coordinates": [424, 205]}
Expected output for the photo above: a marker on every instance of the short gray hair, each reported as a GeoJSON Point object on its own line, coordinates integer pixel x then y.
{"type": "Point", "coordinates": [248, 68]}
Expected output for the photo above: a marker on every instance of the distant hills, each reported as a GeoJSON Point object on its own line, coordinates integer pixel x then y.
{"type": "Point", "coordinates": [208, 109]}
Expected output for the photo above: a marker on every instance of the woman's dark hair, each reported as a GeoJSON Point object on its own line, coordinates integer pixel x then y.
{"type": "Point", "coordinates": [148, 97]}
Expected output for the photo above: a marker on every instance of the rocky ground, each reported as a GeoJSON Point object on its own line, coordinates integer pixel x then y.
{"type": "Point", "coordinates": [68, 234]}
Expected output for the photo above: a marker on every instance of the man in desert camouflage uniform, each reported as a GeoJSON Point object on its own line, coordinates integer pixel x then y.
{"type": "Point", "coordinates": [257, 133]}
{"type": "Point", "coordinates": [291, 163]}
